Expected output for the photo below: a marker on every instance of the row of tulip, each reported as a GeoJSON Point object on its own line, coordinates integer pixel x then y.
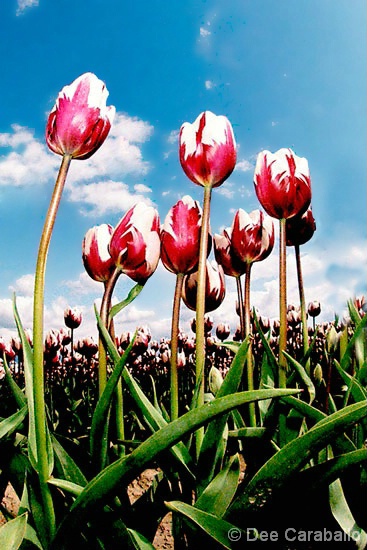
{"type": "Point", "coordinates": [64, 505]}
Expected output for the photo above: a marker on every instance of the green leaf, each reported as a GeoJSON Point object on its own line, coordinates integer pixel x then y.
{"type": "Point", "coordinates": [269, 352]}
{"type": "Point", "coordinates": [17, 392]}
{"type": "Point", "coordinates": [218, 529]}
{"type": "Point", "coordinates": [12, 533]}
{"type": "Point", "coordinates": [210, 454]}
{"type": "Point", "coordinates": [229, 344]}
{"type": "Point", "coordinates": [350, 347]}
{"type": "Point", "coordinates": [10, 424]}
{"type": "Point", "coordinates": [277, 471]}
{"type": "Point", "coordinates": [218, 495]}
{"type": "Point", "coordinates": [356, 389]}
{"type": "Point", "coordinates": [303, 376]}
{"type": "Point", "coordinates": [99, 427]}
{"type": "Point", "coordinates": [138, 541]}
{"type": "Point", "coordinates": [124, 470]}
{"type": "Point", "coordinates": [134, 292]}
{"type": "Point", "coordinates": [248, 432]}
{"type": "Point", "coordinates": [67, 486]}
{"type": "Point", "coordinates": [28, 375]}
{"type": "Point", "coordinates": [154, 419]}
{"type": "Point", "coordinates": [353, 312]}
{"type": "Point", "coordinates": [65, 465]}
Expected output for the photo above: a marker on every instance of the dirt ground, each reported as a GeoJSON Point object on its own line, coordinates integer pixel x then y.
{"type": "Point", "coordinates": [163, 539]}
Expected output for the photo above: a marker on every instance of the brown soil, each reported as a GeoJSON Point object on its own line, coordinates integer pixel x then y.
{"type": "Point", "coordinates": [163, 539]}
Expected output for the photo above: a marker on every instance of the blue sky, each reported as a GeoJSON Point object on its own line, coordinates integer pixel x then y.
{"type": "Point", "coordinates": [288, 73]}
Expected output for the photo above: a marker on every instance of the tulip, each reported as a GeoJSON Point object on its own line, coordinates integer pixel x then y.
{"type": "Point", "coordinates": [96, 257]}
{"type": "Point", "coordinates": [207, 149]}
{"type": "Point", "coordinates": [80, 121]}
{"type": "Point", "coordinates": [214, 290]}
{"type": "Point", "coordinates": [252, 236]}
{"type": "Point", "coordinates": [180, 236]}
{"type": "Point", "coordinates": [232, 265]}
{"type": "Point", "coordinates": [72, 318]}
{"type": "Point", "coordinates": [135, 242]}
{"type": "Point", "coordinates": [282, 183]}
{"type": "Point", "coordinates": [223, 331]}
{"type": "Point", "coordinates": [300, 229]}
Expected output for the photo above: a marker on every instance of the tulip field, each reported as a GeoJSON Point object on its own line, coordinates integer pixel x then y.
{"type": "Point", "coordinates": [253, 435]}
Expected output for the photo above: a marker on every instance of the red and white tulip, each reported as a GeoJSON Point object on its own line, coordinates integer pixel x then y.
{"type": "Point", "coordinates": [282, 183]}
{"type": "Point", "coordinates": [207, 149]}
{"type": "Point", "coordinates": [252, 236]}
{"type": "Point", "coordinates": [95, 254]}
{"type": "Point", "coordinates": [180, 236]}
{"type": "Point", "coordinates": [214, 288]}
{"type": "Point", "coordinates": [135, 242]}
{"type": "Point", "coordinates": [80, 120]}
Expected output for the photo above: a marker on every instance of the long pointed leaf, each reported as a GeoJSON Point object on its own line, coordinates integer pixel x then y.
{"type": "Point", "coordinates": [303, 375]}
{"type": "Point", "coordinates": [294, 455]}
{"type": "Point", "coordinates": [10, 424]}
{"type": "Point", "coordinates": [17, 392]}
{"type": "Point", "coordinates": [125, 469]}
{"type": "Point", "coordinates": [134, 292]}
{"type": "Point", "coordinates": [12, 533]}
{"type": "Point", "coordinates": [218, 529]}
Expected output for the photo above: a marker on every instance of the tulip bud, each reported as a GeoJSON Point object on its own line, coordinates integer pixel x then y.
{"type": "Point", "coordinates": [215, 380]}
{"type": "Point", "coordinates": [317, 373]}
{"type": "Point", "coordinates": [96, 257]}
{"type": "Point", "coordinates": [232, 265]}
{"type": "Point", "coordinates": [72, 318]}
{"type": "Point", "coordinates": [180, 236]}
{"type": "Point", "coordinates": [135, 243]}
{"type": "Point", "coordinates": [252, 236]}
{"type": "Point", "coordinates": [207, 149]}
{"type": "Point", "coordinates": [332, 340]}
{"type": "Point", "coordinates": [282, 183]}
{"type": "Point", "coordinates": [223, 331]}
{"type": "Point", "coordinates": [314, 308]}
{"type": "Point", "coordinates": [300, 229]}
{"type": "Point", "coordinates": [80, 121]}
{"type": "Point", "coordinates": [214, 288]}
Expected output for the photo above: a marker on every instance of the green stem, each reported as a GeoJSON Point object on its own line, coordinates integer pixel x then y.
{"type": "Point", "coordinates": [102, 360]}
{"type": "Point", "coordinates": [200, 309]}
{"type": "Point", "coordinates": [240, 306]}
{"type": "Point", "coordinates": [38, 360]}
{"type": "Point", "coordinates": [174, 344]}
{"type": "Point", "coordinates": [249, 357]}
{"type": "Point", "coordinates": [282, 373]}
{"type": "Point", "coordinates": [303, 306]}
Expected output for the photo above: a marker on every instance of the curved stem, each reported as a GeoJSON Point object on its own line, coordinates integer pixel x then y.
{"type": "Point", "coordinates": [104, 312]}
{"type": "Point", "coordinates": [200, 308]}
{"type": "Point", "coordinates": [240, 306]}
{"type": "Point", "coordinates": [303, 305]}
{"type": "Point", "coordinates": [38, 369]}
{"type": "Point", "coordinates": [249, 358]}
{"type": "Point", "coordinates": [174, 345]}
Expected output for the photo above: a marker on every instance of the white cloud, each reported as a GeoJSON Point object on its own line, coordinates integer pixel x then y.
{"type": "Point", "coordinates": [100, 198]}
{"type": "Point", "coordinates": [173, 136]}
{"type": "Point", "coordinates": [141, 188]}
{"type": "Point", "coordinates": [84, 285]}
{"type": "Point", "coordinates": [226, 191]}
{"type": "Point", "coordinates": [24, 285]}
{"type": "Point", "coordinates": [204, 33]}
{"type": "Point", "coordinates": [209, 84]}
{"type": "Point", "coordinates": [24, 4]}
{"type": "Point", "coordinates": [244, 166]}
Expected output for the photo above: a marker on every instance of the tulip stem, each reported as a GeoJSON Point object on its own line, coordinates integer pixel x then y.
{"type": "Point", "coordinates": [282, 373]}
{"type": "Point", "coordinates": [200, 309]}
{"type": "Point", "coordinates": [240, 306]}
{"type": "Point", "coordinates": [102, 357]}
{"type": "Point", "coordinates": [174, 345]}
{"type": "Point", "coordinates": [303, 305]}
{"type": "Point", "coordinates": [38, 351]}
{"type": "Point", "coordinates": [249, 359]}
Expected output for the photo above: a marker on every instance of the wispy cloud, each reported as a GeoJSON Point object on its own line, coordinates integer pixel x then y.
{"type": "Point", "coordinates": [209, 84]}
{"type": "Point", "coordinates": [24, 4]}
{"type": "Point", "coordinates": [204, 32]}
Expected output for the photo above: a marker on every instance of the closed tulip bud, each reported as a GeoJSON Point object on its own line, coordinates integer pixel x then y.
{"type": "Point", "coordinates": [89, 347]}
{"type": "Point", "coordinates": [214, 288]}
{"type": "Point", "coordinates": [80, 121]}
{"type": "Point", "coordinates": [208, 324]}
{"type": "Point", "coordinates": [135, 242]}
{"type": "Point", "coordinates": [314, 308]}
{"type": "Point", "coordinates": [181, 359]}
{"type": "Point", "coordinates": [252, 236]}
{"type": "Point", "coordinates": [282, 183]}
{"type": "Point", "coordinates": [300, 229]}
{"type": "Point", "coordinates": [332, 340]}
{"type": "Point", "coordinates": [317, 374]}
{"type": "Point", "coordinates": [222, 331]}
{"type": "Point", "coordinates": [207, 149]}
{"type": "Point", "coordinates": [72, 317]}
{"type": "Point", "coordinates": [95, 254]}
{"type": "Point", "coordinates": [180, 236]}
{"type": "Point", "coordinates": [215, 380]}
{"type": "Point", "coordinates": [232, 265]}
